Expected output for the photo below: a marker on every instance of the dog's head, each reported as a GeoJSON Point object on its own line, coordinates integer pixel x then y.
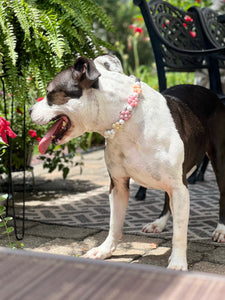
{"type": "Point", "coordinates": [71, 82]}
{"type": "Point", "coordinates": [72, 100]}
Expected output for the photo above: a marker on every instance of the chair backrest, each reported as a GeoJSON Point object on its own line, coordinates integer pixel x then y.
{"type": "Point", "coordinates": [214, 28]}
{"type": "Point", "coordinates": [170, 26]}
{"type": "Point", "coordinates": [178, 40]}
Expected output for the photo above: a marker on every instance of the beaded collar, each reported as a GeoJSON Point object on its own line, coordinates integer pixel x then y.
{"type": "Point", "coordinates": [125, 114]}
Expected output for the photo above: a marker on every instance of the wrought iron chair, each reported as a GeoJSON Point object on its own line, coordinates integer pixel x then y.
{"type": "Point", "coordinates": [183, 41]}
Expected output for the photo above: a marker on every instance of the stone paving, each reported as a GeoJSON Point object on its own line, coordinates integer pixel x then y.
{"type": "Point", "coordinates": [69, 217]}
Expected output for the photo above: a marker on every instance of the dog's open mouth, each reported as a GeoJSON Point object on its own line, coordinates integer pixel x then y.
{"type": "Point", "coordinates": [55, 133]}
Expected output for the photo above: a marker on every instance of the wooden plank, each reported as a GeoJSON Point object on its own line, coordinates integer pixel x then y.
{"type": "Point", "coordinates": [29, 275]}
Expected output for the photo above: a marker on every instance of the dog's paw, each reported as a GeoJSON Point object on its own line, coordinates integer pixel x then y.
{"type": "Point", "coordinates": [177, 263]}
{"type": "Point", "coordinates": [99, 253]}
{"type": "Point", "coordinates": [157, 226]}
{"type": "Point", "coordinates": [219, 234]}
{"type": "Point", "coordinates": [152, 228]}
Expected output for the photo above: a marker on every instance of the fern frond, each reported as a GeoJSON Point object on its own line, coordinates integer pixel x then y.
{"type": "Point", "coordinates": [8, 38]}
{"type": "Point", "coordinates": [53, 33]}
{"type": "Point", "coordinates": [41, 37]}
{"type": "Point", "coordinates": [18, 7]}
{"type": "Point", "coordinates": [10, 41]}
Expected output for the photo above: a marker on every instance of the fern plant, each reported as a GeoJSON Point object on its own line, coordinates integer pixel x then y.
{"type": "Point", "coordinates": [38, 38]}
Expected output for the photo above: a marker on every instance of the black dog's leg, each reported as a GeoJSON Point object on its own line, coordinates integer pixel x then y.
{"type": "Point", "coordinates": [216, 154]}
{"type": "Point", "coordinates": [159, 224]}
{"type": "Point", "coordinates": [198, 174]}
{"type": "Point", "coordinates": [166, 207]}
{"type": "Point", "coordinates": [141, 194]}
{"type": "Point", "coordinates": [219, 168]}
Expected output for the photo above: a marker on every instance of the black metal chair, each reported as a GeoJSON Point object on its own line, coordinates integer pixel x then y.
{"type": "Point", "coordinates": [183, 41]}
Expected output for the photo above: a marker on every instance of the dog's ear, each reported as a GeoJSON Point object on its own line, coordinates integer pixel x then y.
{"type": "Point", "coordinates": [85, 72]}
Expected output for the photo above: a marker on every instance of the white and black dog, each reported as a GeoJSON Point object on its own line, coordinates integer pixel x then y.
{"type": "Point", "coordinates": [165, 137]}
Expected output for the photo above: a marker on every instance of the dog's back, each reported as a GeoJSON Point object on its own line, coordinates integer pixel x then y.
{"type": "Point", "coordinates": [202, 101]}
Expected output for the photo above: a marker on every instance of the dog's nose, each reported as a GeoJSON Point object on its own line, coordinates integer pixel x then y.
{"type": "Point", "coordinates": [30, 110]}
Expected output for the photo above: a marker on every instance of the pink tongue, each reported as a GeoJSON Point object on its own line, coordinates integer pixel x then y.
{"type": "Point", "coordinates": [46, 140]}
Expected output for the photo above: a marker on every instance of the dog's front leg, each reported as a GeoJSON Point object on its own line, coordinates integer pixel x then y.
{"type": "Point", "coordinates": [118, 198]}
{"type": "Point", "coordinates": [179, 201]}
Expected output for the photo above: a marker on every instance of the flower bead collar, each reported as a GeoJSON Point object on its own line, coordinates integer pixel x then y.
{"type": "Point", "coordinates": [126, 113]}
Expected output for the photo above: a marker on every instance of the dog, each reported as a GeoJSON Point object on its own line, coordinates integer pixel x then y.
{"type": "Point", "coordinates": [156, 139]}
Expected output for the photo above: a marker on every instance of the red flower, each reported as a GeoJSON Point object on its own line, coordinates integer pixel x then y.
{"type": "Point", "coordinates": [184, 24]}
{"type": "Point", "coordinates": [138, 30]}
{"type": "Point", "coordinates": [188, 19]}
{"type": "Point", "coordinates": [32, 133]}
{"type": "Point", "coordinates": [192, 33]}
{"type": "Point", "coordinates": [5, 130]}
{"type": "Point", "coordinates": [40, 99]}
{"type": "Point", "coordinates": [38, 139]}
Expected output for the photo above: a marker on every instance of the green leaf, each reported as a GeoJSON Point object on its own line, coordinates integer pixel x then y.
{"type": "Point", "coordinates": [2, 209]}
{"type": "Point", "coordinates": [19, 245]}
{"type": "Point", "coordinates": [8, 219]}
{"type": "Point", "coordinates": [8, 230]}
{"type": "Point", "coordinates": [3, 197]}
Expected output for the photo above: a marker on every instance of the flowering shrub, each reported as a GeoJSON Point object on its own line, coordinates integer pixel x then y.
{"type": "Point", "coordinates": [16, 132]}
{"type": "Point", "coordinates": [5, 130]}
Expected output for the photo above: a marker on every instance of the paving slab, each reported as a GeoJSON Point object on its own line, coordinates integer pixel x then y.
{"type": "Point", "coordinates": [57, 231]}
{"type": "Point", "coordinates": [208, 267]}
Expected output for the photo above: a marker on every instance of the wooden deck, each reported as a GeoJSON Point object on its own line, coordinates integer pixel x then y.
{"type": "Point", "coordinates": [29, 275]}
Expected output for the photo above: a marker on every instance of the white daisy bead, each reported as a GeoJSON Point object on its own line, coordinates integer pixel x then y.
{"type": "Point", "coordinates": [129, 107]}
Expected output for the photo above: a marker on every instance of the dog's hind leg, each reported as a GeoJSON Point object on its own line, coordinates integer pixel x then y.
{"type": "Point", "coordinates": [159, 224]}
{"type": "Point", "coordinates": [180, 210]}
{"type": "Point", "coordinates": [118, 198]}
{"type": "Point", "coordinates": [216, 153]}
{"type": "Point", "coordinates": [219, 168]}
{"type": "Point", "coordinates": [218, 163]}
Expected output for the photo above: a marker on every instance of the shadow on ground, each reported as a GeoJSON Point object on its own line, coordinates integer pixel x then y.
{"type": "Point", "coordinates": [43, 189]}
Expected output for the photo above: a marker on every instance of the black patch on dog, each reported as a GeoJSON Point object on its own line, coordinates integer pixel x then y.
{"type": "Point", "coordinates": [191, 107]}
{"type": "Point", "coordinates": [71, 82]}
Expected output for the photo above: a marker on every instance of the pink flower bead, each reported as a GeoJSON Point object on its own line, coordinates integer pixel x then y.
{"type": "Point", "coordinates": [125, 115]}
{"type": "Point", "coordinates": [133, 101]}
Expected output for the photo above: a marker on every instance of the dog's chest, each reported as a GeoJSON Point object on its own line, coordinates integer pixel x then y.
{"type": "Point", "coordinates": [146, 165]}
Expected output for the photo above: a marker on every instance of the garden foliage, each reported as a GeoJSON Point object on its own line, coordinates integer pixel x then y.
{"type": "Point", "coordinates": [37, 40]}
